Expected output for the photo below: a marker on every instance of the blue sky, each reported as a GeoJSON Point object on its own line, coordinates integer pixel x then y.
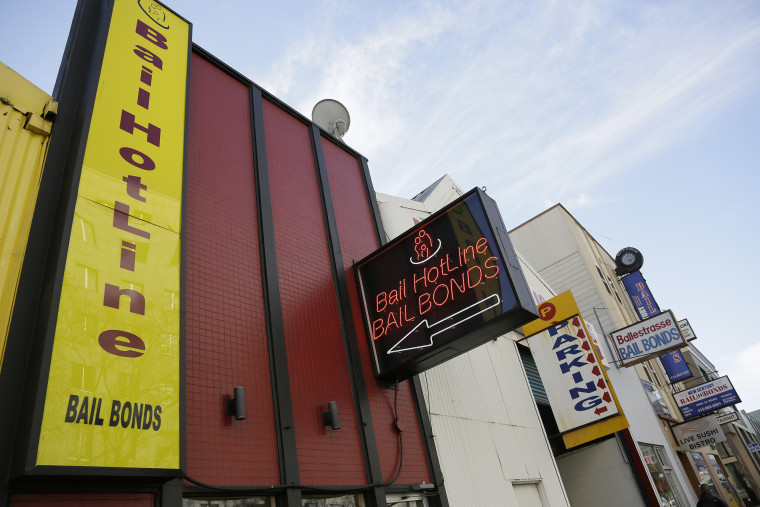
{"type": "Point", "coordinates": [641, 118]}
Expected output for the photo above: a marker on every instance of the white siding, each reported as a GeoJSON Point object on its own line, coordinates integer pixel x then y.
{"type": "Point", "coordinates": [488, 432]}
{"type": "Point", "coordinates": [611, 483]}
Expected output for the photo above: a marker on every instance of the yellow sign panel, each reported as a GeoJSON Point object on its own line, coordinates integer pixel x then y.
{"type": "Point", "coordinates": [113, 394]}
{"type": "Point", "coordinates": [582, 398]}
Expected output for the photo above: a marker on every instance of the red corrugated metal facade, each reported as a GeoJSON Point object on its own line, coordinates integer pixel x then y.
{"type": "Point", "coordinates": [316, 356]}
{"type": "Point", "coordinates": [355, 229]}
{"type": "Point", "coordinates": [225, 334]}
{"type": "Point", "coordinates": [226, 342]}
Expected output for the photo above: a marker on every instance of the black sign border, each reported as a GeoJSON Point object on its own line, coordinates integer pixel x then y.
{"type": "Point", "coordinates": [523, 312]}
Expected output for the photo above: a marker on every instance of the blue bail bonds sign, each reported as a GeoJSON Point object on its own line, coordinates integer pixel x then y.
{"type": "Point", "coordinates": [706, 398]}
{"type": "Point", "coordinates": [648, 338]}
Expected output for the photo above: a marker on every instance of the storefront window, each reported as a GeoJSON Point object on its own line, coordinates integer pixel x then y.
{"type": "Point", "coordinates": [409, 502]}
{"type": "Point", "coordinates": [723, 450]}
{"type": "Point", "coordinates": [739, 481]}
{"type": "Point", "coordinates": [660, 471]}
{"type": "Point", "coordinates": [722, 481]}
{"type": "Point", "coordinates": [255, 501]}
{"type": "Point", "coordinates": [655, 398]}
{"type": "Point", "coordinates": [332, 501]}
{"type": "Point", "coordinates": [704, 473]}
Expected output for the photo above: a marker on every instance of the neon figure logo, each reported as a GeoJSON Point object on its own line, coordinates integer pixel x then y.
{"type": "Point", "coordinates": [423, 244]}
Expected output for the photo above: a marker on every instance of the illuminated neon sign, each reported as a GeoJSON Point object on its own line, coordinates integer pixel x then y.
{"type": "Point", "coordinates": [450, 284]}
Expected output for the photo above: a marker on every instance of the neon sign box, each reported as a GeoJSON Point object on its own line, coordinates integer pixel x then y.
{"type": "Point", "coordinates": [449, 284]}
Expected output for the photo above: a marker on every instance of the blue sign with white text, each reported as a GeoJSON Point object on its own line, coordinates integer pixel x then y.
{"type": "Point", "coordinates": [640, 296]}
{"type": "Point", "coordinates": [706, 397]}
{"type": "Point", "coordinates": [675, 366]}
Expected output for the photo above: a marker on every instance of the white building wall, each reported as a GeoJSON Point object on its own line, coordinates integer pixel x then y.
{"type": "Point", "coordinates": [613, 482]}
{"type": "Point", "coordinates": [488, 433]}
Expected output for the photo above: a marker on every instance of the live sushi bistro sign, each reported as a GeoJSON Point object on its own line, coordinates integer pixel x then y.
{"type": "Point", "coordinates": [698, 433]}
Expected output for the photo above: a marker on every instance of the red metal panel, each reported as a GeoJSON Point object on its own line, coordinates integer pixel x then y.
{"type": "Point", "coordinates": [357, 240]}
{"type": "Point", "coordinates": [316, 354]}
{"type": "Point", "coordinates": [84, 500]}
{"type": "Point", "coordinates": [226, 341]}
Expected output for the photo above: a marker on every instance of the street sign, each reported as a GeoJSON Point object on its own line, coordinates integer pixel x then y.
{"type": "Point", "coordinates": [727, 418]}
{"type": "Point", "coordinates": [686, 331]}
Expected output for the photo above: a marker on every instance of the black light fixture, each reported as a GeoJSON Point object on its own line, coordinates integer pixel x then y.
{"type": "Point", "coordinates": [628, 260]}
{"type": "Point", "coordinates": [330, 416]}
{"type": "Point", "coordinates": [236, 404]}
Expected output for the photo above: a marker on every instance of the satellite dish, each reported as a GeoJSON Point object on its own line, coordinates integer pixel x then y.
{"type": "Point", "coordinates": [332, 116]}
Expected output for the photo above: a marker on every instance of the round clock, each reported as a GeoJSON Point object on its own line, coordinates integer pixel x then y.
{"type": "Point", "coordinates": [628, 260]}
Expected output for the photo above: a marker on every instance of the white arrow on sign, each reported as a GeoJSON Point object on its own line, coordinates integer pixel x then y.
{"type": "Point", "coordinates": [457, 318]}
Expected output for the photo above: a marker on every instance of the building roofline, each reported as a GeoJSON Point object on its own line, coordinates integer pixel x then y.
{"type": "Point", "coordinates": [560, 206]}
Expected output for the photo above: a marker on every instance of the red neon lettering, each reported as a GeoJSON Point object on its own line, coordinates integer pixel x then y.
{"type": "Point", "coordinates": [470, 249]}
{"type": "Point", "coordinates": [391, 322]}
{"type": "Point", "coordinates": [424, 302]}
{"type": "Point", "coordinates": [381, 299]}
{"type": "Point", "coordinates": [415, 279]}
{"type": "Point", "coordinates": [431, 274]}
{"type": "Point", "coordinates": [493, 267]}
{"type": "Point", "coordinates": [460, 288]}
{"type": "Point", "coordinates": [377, 326]}
{"type": "Point", "coordinates": [481, 245]}
{"type": "Point", "coordinates": [470, 282]}
{"type": "Point", "coordinates": [445, 294]}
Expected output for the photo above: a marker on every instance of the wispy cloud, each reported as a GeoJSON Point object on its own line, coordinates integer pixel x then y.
{"type": "Point", "coordinates": [538, 101]}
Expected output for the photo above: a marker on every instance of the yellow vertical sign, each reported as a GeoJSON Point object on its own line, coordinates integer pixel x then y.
{"type": "Point", "coordinates": [113, 393]}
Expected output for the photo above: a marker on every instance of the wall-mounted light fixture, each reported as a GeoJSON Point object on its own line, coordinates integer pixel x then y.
{"type": "Point", "coordinates": [330, 416]}
{"type": "Point", "coordinates": [236, 404]}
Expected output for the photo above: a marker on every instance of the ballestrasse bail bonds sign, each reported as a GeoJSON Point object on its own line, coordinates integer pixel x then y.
{"type": "Point", "coordinates": [449, 284]}
{"type": "Point", "coordinates": [646, 339]}
{"type": "Point", "coordinates": [113, 390]}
